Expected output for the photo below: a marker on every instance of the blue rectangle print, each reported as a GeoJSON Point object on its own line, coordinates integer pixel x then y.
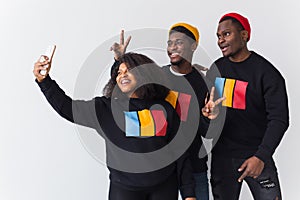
{"type": "Point", "coordinates": [132, 125]}
{"type": "Point", "coordinates": [219, 83]}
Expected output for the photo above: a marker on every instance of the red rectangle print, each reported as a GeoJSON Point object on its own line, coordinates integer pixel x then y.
{"type": "Point", "coordinates": [183, 106]}
{"type": "Point", "coordinates": [160, 122]}
{"type": "Point", "coordinates": [239, 97]}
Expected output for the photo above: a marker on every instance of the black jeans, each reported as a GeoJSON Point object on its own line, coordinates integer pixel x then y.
{"type": "Point", "coordinates": [167, 190]}
{"type": "Point", "coordinates": [225, 185]}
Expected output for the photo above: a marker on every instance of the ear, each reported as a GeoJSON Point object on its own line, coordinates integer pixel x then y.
{"type": "Point", "coordinates": [194, 46]}
{"type": "Point", "coordinates": [244, 35]}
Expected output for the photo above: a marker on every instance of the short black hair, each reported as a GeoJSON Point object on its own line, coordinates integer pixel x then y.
{"type": "Point", "coordinates": [236, 22]}
{"type": "Point", "coordinates": [183, 30]}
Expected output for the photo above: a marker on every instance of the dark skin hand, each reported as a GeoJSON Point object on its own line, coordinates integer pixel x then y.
{"type": "Point", "coordinates": [252, 167]}
{"type": "Point", "coordinates": [119, 49]}
{"type": "Point", "coordinates": [38, 66]}
{"type": "Point", "coordinates": [211, 110]}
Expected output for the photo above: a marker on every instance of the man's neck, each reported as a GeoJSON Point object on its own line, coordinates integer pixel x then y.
{"type": "Point", "coordinates": [241, 56]}
{"type": "Point", "coordinates": [182, 68]}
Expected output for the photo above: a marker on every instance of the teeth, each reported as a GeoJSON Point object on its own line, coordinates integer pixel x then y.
{"type": "Point", "coordinates": [223, 48]}
{"type": "Point", "coordinates": [125, 81]}
{"type": "Point", "coordinates": [174, 54]}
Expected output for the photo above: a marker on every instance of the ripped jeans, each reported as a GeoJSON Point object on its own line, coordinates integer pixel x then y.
{"type": "Point", "coordinates": [224, 176]}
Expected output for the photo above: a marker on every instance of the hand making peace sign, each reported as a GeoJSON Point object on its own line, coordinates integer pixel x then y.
{"type": "Point", "coordinates": [119, 49]}
{"type": "Point", "coordinates": [211, 110]}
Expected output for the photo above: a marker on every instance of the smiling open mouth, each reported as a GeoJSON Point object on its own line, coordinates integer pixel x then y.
{"type": "Point", "coordinates": [224, 48]}
{"type": "Point", "coordinates": [125, 81]}
{"type": "Point", "coordinates": [174, 54]}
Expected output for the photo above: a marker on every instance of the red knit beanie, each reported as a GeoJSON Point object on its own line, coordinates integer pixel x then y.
{"type": "Point", "coordinates": [243, 20]}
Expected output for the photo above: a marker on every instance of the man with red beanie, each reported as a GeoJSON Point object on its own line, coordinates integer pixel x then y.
{"type": "Point", "coordinates": [257, 115]}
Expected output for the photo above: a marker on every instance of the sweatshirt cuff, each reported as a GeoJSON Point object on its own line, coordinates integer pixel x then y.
{"type": "Point", "coordinates": [114, 66]}
{"type": "Point", "coordinates": [45, 84]}
{"type": "Point", "coordinates": [187, 192]}
{"type": "Point", "coordinates": [263, 155]}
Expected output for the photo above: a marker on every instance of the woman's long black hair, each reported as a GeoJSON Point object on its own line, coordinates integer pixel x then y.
{"type": "Point", "coordinates": [150, 78]}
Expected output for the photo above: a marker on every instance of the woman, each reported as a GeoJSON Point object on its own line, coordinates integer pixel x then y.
{"type": "Point", "coordinates": [133, 118]}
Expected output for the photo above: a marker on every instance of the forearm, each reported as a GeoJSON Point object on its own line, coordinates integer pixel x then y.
{"type": "Point", "coordinates": [59, 101]}
{"type": "Point", "coordinates": [277, 111]}
{"type": "Point", "coordinates": [75, 111]}
{"type": "Point", "coordinates": [271, 140]}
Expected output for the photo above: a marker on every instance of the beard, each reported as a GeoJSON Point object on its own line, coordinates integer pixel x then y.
{"type": "Point", "coordinates": [177, 62]}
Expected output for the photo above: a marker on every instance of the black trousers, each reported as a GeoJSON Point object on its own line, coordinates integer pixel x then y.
{"type": "Point", "coordinates": [224, 176]}
{"type": "Point", "coordinates": [167, 190]}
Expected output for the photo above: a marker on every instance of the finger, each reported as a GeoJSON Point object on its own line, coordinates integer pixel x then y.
{"type": "Point", "coordinates": [205, 102]}
{"type": "Point", "coordinates": [204, 69]}
{"type": "Point", "coordinates": [242, 167]}
{"type": "Point", "coordinates": [212, 92]}
{"type": "Point", "coordinates": [47, 62]}
{"type": "Point", "coordinates": [204, 112]}
{"type": "Point", "coordinates": [41, 64]}
{"type": "Point", "coordinates": [122, 37]}
{"type": "Point", "coordinates": [37, 70]}
{"type": "Point", "coordinates": [114, 46]}
{"type": "Point", "coordinates": [206, 109]}
{"type": "Point", "coordinates": [219, 100]}
{"type": "Point", "coordinates": [43, 58]}
{"type": "Point", "coordinates": [38, 63]}
{"type": "Point", "coordinates": [37, 74]}
{"type": "Point", "coordinates": [244, 175]}
{"type": "Point", "coordinates": [127, 42]}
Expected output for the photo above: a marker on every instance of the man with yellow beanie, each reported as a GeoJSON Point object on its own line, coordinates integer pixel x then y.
{"type": "Point", "coordinates": [189, 84]}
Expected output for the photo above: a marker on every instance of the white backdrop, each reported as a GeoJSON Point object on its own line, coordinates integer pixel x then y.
{"type": "Point", "coordinates": [41, 154]}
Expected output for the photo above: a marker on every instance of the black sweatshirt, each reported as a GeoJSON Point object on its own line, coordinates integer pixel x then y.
{"type": "Point", "coordinates": [127, 126]}
{"type": "Point", "coordinates": [193, 123]}
{"type": "Point", "coordinates": [257, 114]}
{"type": "Point", "coordinates": [189, 92]}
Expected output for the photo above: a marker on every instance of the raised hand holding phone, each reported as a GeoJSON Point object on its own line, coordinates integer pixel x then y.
{"type": "Point", "coordinates": [48, 53]}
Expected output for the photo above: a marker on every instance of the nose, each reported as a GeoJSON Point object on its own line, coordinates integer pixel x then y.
{"type": "Point", "coordinates": [221, 40]}
{"type": "Point", "coordinates": [124, 73]}
{"type": "Point", "coordinates": [172, 47]}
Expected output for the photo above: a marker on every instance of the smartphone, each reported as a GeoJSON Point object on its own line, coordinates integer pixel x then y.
{"type": "Point", "coordinates": [49, 53]}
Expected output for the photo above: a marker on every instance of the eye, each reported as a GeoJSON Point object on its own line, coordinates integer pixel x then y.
{"type": "Point", "coordinates": [226, 34]}
{"type": "Point", "coordinates": [169, 43]}
{"type": "Point", "coordinates": [179, 42]}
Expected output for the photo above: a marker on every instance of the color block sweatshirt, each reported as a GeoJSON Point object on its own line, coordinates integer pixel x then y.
{"type": "Point", "coordinates": [257, 113]}
{"type": "Point", "coordinates": [133, 130]}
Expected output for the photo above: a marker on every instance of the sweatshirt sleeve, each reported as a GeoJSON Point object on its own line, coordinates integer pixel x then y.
{"type": "Point", "coordinates": [76, 111]}
{"type": "Point", "coordinates": [114, 66]}
{"type": "Point", "coordinates": [277, 111]}
{"type": "Point", "coordinates": [185, 177]}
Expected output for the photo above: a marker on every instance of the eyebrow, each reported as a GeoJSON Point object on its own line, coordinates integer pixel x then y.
{"type": "Point", "coordinates": [225, 30]}
{"type": "Point", "coordinates": [176, 39]}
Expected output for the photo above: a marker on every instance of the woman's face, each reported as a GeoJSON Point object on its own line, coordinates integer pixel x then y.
{"type": "Point", "coordinates": [126, 81]}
